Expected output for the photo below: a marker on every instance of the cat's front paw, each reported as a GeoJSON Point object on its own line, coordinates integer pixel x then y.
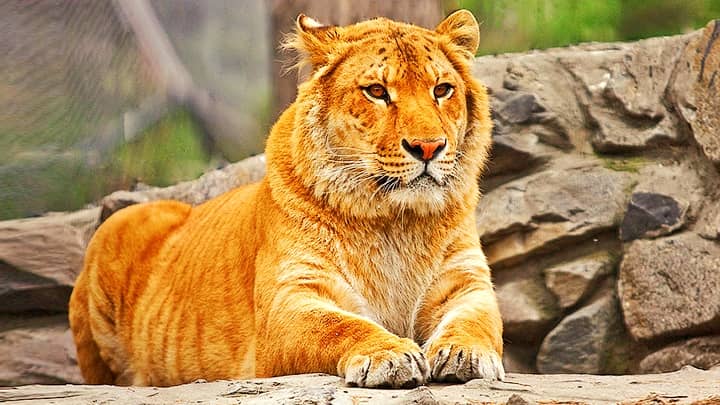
{"type": "Point", "coordinates": [403, 366]}
{"type": "Point", "coordinates": [456, 362]}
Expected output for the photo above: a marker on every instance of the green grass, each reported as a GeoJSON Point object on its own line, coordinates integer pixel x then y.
{"type": "Point", "coordinates": [626, 164]}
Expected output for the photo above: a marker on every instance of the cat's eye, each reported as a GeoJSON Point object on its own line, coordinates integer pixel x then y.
{"type": "Point", "coordinates": [377, 91]}
{"type": "Point", "coordinates": [442, 90]}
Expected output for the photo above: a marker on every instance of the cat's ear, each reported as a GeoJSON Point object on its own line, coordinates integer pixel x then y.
{"type": "Point", "coordinates": [462, 30]}
{"type": "Point", "coordinates": [314, 41]}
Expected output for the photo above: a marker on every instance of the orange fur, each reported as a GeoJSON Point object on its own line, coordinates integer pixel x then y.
{"type": "Point", "coordinates": [343, 260]}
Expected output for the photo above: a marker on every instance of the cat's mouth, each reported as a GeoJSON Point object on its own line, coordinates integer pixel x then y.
{"type": "Point", "coordinates": [424, 179]}
{"type": "Point", "coordinates": [427, 177]}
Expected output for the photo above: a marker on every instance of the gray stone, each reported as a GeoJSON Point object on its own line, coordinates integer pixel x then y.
{"type": "Point", "coordinates": [421, 396]}
{"type": "Point", "coordinates": [513, 153]}
{"type": "Point", "coordinates": [702, 352]}
{"type": "Point", "coordinates": [669, 286]}
{"type": "Point", "coordinates": [683, 180]}
{"type": "Point", "coordinates": [581, 341]}
{"type": "Point", "coordinates": [709, 221]}
{"type": "Point", "coordinates": [650, 215]}
{"type": "Point", "coordinates": [571, 201]}
{"type": "Point", "coordinates": [528, 309]}
{"type": "Point", "coordinates": [521, 108]}
{"type": "Point", "coordinates": [37, 350]}
{"type": "Point", "coordinates": [40, 258]}
{"type": "Point", "coordinates": [624, 92]}
{"type": "Point", "coordinates": [572, 281]}
{"type": "Point", "coordinates": [192, 192]}
{"type": "Point", "coordinates": [540, 100]}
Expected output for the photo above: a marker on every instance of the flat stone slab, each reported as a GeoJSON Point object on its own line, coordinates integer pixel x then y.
{"type": "Point", "coordinates": [682, 387]}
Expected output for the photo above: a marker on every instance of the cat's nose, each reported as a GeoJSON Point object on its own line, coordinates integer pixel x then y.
{"type": "Point", "coordinates": [424, 150]}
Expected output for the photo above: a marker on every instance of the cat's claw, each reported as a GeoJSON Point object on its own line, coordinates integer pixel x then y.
{"type": "Point", "coordinates": [464, 363]}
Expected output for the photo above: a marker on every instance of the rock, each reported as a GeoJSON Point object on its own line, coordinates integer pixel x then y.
{"type": "Point", "coordinates": [689, 385]}
{"type": "Point", "coordinates": [119, 200]}
{"type": "Point", "coordinates": [669, 286]}
{"type": "Point", "coordinates": [572, 201]}
{"type": "Point", "coordinates": [679, 178]}
{"type": "Point", "coordinates": [696, 87]}
{"type": "Point", "coordinates": [617, 91]}
{"type": "Point", "coordinates": [532, 95]}
{"type": "Point", "coordinates": [528, 309]}
{"type": "Point", "coordinates": [521, 108]}
{"type": "Point", "coordinates": [684, 179]}
{"type": "Point", "coordinates": [40, 258]}
{"type": "Point", "coordinates": [702, 352]}
{"type": "Point", "coordinates": [581, 341]}
{"type": "Point", "coordinates": [650, 215]}
{"type": "Point", "coordinates": [193, 192]}
{"type": "Point", "coordinates": [421, 396]}
{"type": "Point", "coordinates": [572, 281]}
{"type": "Point", "coordinates": [38, 350]}
{"type": "Point", "coordinates": [624, 91]}
{"type": "Point", "coordinates": [514, 153]}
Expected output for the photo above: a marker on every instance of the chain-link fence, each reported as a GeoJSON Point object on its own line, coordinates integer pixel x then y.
{"type": "Point", "coordinates": [84, 82]}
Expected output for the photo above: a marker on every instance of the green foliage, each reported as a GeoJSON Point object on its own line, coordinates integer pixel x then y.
{"type": "Point", "coordinates": [168, 152]}
{"type": "Point", "coordinates": [519, 25]}
{"type": "Point", "coordinates": [47, 180]}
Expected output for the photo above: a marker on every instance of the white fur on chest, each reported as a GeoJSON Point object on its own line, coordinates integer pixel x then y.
{"type": "Point", "coordinates": [392, 273]}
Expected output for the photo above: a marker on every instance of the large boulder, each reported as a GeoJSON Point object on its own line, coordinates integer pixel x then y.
{"type": "Point", "coordinates": [624, 90]}
{"type": "Point", "coordinates": [528, 309]}
{"type": "Point", "coordinates": [586, 340]}
{"type": "Point", "coordinates": [702, 352]}
{"type": "Point", "coordinates": [37, 350]}
{"type": "Point", "coordinates": [669, 286]}
{"type": "Point", "coordinates": [572, 201]}
{"type": "Point", "coordinates": [572, 281]}
{"type": "Point", "coordinates": [192, 192]}
{"type": "Point", "coordinates": [40, 258]}
{"type": "Point", "coordinates": [512, 154]}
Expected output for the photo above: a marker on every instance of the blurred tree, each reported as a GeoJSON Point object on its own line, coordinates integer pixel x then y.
{"type": "Point", "coordinates": [425, 13]}
{"type": "Point", "coordinates": [520, 25]}
{"type": "Point", "coordinates": [642, 19]}
{"type": "Point", "coordinates": [223, 126]}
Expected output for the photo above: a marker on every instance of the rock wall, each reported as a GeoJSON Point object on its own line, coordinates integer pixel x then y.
{"type": "Point", "coordinates": [600, 217]}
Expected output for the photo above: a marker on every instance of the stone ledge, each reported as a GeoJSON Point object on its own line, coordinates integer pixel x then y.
{"type": "Point", "coordinates": [687, 386]}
